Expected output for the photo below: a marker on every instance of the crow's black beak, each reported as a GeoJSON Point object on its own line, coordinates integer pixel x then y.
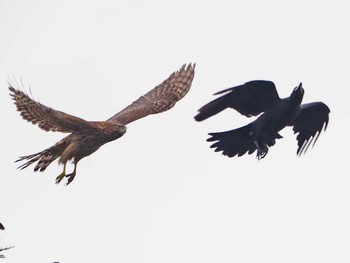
{"type": "Point", "coordinates": [301, 88]}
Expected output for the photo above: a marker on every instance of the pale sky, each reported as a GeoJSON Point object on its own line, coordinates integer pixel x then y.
{"type": "Point", "coordinates": [160, 194]}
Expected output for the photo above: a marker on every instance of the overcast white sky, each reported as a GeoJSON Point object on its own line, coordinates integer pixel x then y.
{"type": "Point", "coordinates": [160, 194]}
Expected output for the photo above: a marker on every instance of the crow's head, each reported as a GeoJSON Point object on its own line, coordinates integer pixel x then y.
{"type": "Point", "coordinates": [298, 94]}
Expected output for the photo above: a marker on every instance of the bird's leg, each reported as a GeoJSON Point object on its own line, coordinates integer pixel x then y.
{"type": "Point", "coordinates": [62, 175]}
{"type": "Point", "coordinates": [262, 149]}
{"type": "Point", "coordinates": [72, 175]}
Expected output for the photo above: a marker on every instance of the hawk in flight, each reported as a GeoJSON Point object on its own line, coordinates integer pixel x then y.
{"type": "Point", "coordinates": [88, 136]}
{"type": "Point", "coordinates": [260, 97]}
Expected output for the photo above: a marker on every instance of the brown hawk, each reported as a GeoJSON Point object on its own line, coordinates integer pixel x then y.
{"type": "Point", "coordinates": [88, 136]}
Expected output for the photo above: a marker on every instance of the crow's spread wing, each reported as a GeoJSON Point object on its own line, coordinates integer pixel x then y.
{"type": "Point", "coordinates": [161, 98]}
{"type": "Point", "coordinates": [309, 123]}
{"type": "Point", "coordinates": [249, 99]}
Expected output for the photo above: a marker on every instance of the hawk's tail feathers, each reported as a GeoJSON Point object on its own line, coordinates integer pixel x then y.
{"type": "Point", "coordinates": [44, 158]}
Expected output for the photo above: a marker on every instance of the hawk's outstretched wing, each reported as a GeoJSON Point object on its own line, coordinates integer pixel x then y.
{"type": "Point", "coordinates": [309, 123]}
{"type": "Point", "coordinates": [161, 98]}
{"type": "Point", "coordinates": [47, 119]}
{"type": "Point", "coordinates": [249, 99]}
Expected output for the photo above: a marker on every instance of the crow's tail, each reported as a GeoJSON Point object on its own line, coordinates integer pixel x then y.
{"type": "Point", "coordinates": [238, 141]}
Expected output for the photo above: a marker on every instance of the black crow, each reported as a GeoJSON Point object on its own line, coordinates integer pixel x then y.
{"type": "Point", "coordinates": [260, 96]}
